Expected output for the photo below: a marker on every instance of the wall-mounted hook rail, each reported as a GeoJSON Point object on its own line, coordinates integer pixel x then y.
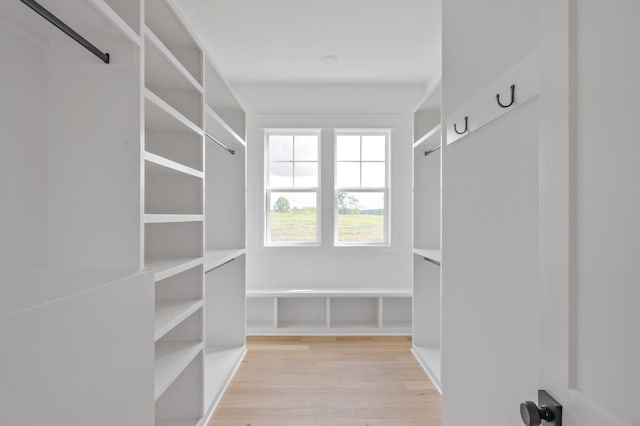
{"type": "Point", "coordinates": [466, 127]}
{"type": "Point", "coordinates": [229, 150]}
{"type": "Point", "coordinates": [513, 97]}
{"type": "Point", "coordinates": [36, 7]}
{"type": "Point", "coordinates": [432, 150]}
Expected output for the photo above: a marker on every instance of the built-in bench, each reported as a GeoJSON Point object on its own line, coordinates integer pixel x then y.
{"type": "Point", "coordinates": [342, 311]}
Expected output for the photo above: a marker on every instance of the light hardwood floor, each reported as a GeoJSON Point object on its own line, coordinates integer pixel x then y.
{"type": "Point", "coordinates": [329, 381]}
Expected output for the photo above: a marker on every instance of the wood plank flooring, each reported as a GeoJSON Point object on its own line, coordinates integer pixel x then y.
{"type": "Point", "coordinates": [329, 381]}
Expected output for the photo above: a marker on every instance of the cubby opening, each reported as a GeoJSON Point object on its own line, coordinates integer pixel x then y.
{"type": "Point", "coordinates": [354, 312]}
{"type": "Point", "coordinates": [172, 241]}
{"type": "Point", "coordinates": [162, 20]}
{"type": "Point", "coordinates": [302, 312]}
{"type": "Point", "coordinates": [396, 312]}
{"type": "Point", "coordinates": [171, 192]}
{"type": "Point", "coordinates": [261, 313]}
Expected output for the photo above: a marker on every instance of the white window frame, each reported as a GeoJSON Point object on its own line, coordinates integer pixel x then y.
{"type": "Point", "coordinates": [268, 189]}
{"type": "Point", "coordinates": [386, 190]}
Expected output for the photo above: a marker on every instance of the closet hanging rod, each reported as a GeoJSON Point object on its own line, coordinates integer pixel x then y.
{"type": "Point", "coordinates": [432, 150]}
{"type": "Point", "coordinates": [221, 265]}
{"type": "Point", "coordinates": [229, 150]}
{"type": "Point", "coordinates": [435, 262]}
{"type": "Point", "coordinates": [53, 19]}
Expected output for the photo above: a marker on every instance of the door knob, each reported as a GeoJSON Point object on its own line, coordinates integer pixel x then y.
{"type": "Point", "coordinates": [532, 415]}
{"type": "Point", "coordinates": [549, 410]}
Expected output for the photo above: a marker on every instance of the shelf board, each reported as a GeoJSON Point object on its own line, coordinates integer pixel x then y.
{"type": "Point", "coordinates": [430, 139]}
{"type": "Point", "coordinates": [302, 324]}
{"type": "Point", "coordinates": [329, 292]}
{"type": "Point", "coordinates": [355, 324]}
{"type": "Point", "coordinates": [435, 255]}
{"type": "Point", "coordinates": [92, 19]}
{"type": "Point", "coordinates": [172, 218]}
{"type": "Point", "coordinates": [160, 117]}
{"type": "Point", "coordinates": [221, 364]}
{"type": "Point", "coordinates": [215, 258]}
{"type": "Point", "coordinates": [222, 126]}
{"type": "Point", "coordinates": [158, 164]}
{"type": "Point", "coordinates": [429, 358]}
{"type": "Point", "coordinates": [267, 324]}
{"type": "Point", "coordinates": [184, 81]}
{"type": "Point", "coordinates": [165, 268]}
{"type": "Point", "coordinates": [171, 360]}
{"type": "Point", "coordinates": [170, 313]}
{"type": "Point", "coordinates": [402, 325]}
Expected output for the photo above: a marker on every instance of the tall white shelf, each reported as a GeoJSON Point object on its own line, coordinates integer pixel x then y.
{"type": "Point", "coordinates": [427, 294]}
{"type": "Point", "coordinates": [195, 248]}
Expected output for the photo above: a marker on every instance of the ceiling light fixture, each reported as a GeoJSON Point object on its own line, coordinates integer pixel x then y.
{"type": "Point", "coordinates": [329, 59]}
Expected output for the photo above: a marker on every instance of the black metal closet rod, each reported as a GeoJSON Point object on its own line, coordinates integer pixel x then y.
{"type": "Point", "coordinates": [36, 7]}
{"type": "Point", "coordinates": [229, 150]}
{"type": "Point", "coordinates": [435, 262]}
{"type": "Point", "coordinates": [432, 150]}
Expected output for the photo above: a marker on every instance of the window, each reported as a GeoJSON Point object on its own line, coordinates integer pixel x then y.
{"type": "Point", "coordinates": [292, 187]}
{"type": "Point", "coordinates": [362, 191]}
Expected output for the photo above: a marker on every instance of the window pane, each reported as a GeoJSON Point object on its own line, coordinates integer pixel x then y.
{"type": "Point", "coordinates": [373, 175]}
{"type": "Point", "coordinates": [306, 148]}
{"type": "Point", "coordinates": [281, 175]}
{"type": "Point", "coordinates": [306, 175]}
{"type": "Point", "coordinates": [361, 217]}
{"type": "Point", "coordinates": [374, 148]}
{"type": "Point", "coordinates": [348, 147]}
{"type": "Point", "coordinates": [280, 148]}
{"type": "Point", "coordinates": [348, 175]}
{"type": "Point", "coordinates": [293, 217]}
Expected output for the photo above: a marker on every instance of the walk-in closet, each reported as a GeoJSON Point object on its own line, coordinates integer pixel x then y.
{"type": "Point", "coordinates": [319, 213]}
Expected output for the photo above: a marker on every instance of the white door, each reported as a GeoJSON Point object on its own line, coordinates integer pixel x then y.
{"type": "Point", "coordinates": [590, 210]}
{"type": "Point", "coordinates": [541, 266]}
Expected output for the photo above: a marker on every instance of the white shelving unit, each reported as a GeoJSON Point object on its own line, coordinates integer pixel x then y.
{"type": "Point", "coordinates": [225, 245]}
{"type": "Point", "coordinates": [329, 312]}
{"type": "Point", "coordinates": [120, 214]}
{"type": "Point", "coordinates": [427, 163]}
{"type": "Point", "coordinates": [195, 248]}
{"type": "Point", "coordinates": [173, 150]}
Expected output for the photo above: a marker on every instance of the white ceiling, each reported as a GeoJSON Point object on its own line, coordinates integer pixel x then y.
{"type": "Point", "coordinates": [268, 41]}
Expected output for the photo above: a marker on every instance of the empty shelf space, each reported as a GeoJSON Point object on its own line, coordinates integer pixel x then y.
{"type": "Point", "coordinates": [172, 218]}
{"type": "Point", "coordinates": [161, 117]}
{"type": "Point", "coordinates": [434, 255]}
{"type": "Point", "coordinates": [171, 359]}
{"type": "Point", "coordinates": [159, 56]}
{"type": "Point", "coordinates": [161, 165]}
{"type": "Point", "coordinates": [429, 357]}
{"type": "Point", "coordinates": [430, 139]}
{"type": "Point", "coordinates": [165, 268]}
{"type": "Point", "coordinates": [220, 364]}
{"type": "Point", "coordinates": [170, 313]}
{"type": "Point", "coordinates": [215, 258]}
{"type": "Point", "coordinates": [217, 127]}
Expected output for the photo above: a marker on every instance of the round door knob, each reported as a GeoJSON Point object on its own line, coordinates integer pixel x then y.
{"type": "Point", "coordinates": [532, 415]}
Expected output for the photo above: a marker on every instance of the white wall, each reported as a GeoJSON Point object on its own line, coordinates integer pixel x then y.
{"type": "Point", "coordinates": [23, 163]}
{"type": "Point", "coordinates": [327, 107]}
